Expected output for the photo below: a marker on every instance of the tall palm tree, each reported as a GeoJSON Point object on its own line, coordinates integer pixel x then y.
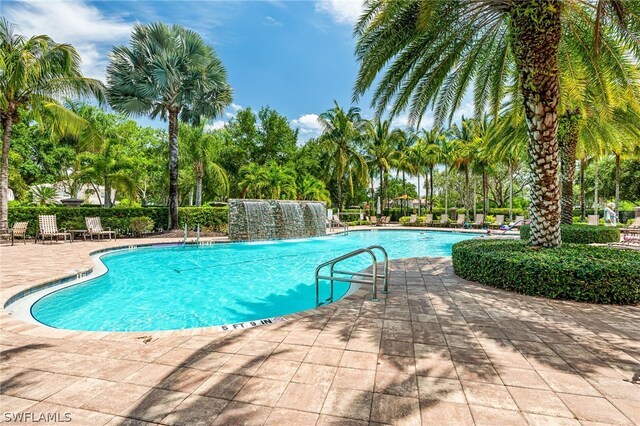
{"type": "Point", "coordinates": [435, 153]}
{"type": "Point", "coordinates": [341, 132]}
{"type": "Point", "coordinates": [416, 161]}
{"type": "Point", "coordinates": [380, 151]}
{"type": "Point", "coordinates": [433, 51]}
{"type": "Point", "coordinates": [34, 73]}
{"type": "Point", "coordinates": [168, 72]}
{"type": "Point", "coordinates": [463, 139]}
{"type": "Point", "coordinates": [199, 150]}
{"type": "Point", "coordinates": [404, 140]}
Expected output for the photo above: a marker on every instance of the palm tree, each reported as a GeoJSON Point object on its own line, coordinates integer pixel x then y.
{"type": "Point", "coordinates": [463, 139]}
{"type": "Point", "coordinates": [200, 149]}
{"type": "Point", "coordinates": [433, 51]}
{"type": "Point", "coordinates": [250, 179]}
{"type": "Point", "coordinates": [168, 72]}
{"type": "Point", "coordinates": [435, 153]}
{"type": "Point", "coordinates": [278, 181]}
{"type": "Point", "coordinates": [404, 141]}
{"type": "Point", "coordinates": [380, 151]}
{"type": "Point", "coordinates": [34, 73]}
{"type": "Point", "coordinates": [416, 163]}
{"type": "Point", "coordinates": [312, 188]}
{"type": "Point", "coordinates": [341, 131]}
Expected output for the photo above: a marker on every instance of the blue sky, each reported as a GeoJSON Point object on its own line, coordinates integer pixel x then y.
{"type": "Point", "coordinates": [295, 56]}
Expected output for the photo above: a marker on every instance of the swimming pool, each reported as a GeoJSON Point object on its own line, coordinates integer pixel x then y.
{"type": "Point", "coordinates": [169, 288]}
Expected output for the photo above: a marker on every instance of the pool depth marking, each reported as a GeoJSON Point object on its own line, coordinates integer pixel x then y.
{"type": "Point", "coordinates": [251, 324]}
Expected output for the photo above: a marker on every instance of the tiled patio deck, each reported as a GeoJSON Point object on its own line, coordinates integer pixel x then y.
{"type": "Point", "coordinates": [438, 350]}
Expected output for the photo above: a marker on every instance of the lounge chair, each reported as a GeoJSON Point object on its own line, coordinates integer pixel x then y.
{"type": "Point", "coordinates": [94, 227]}
{"type": "Point", "coordinates": [373, 220]}
{"type": "Point", "coordinates": [49, 228]}
{"type": "Point", "coordinates": [519, 221]}
{"type": "Point", "coordinates": [593, 219]}
{"type": "Point", "coordinates": [428, 221]}
{"type": "Point", "coordinates": [479, 223]}
{"type": "Point", "coordinates": [413, 219]}
{"type": "Point", "coordinates": [499, 221]}
{"type": "Point", "coordinates": [631, 234]}
{"type": "Point", "coordinates": [444, 220]}
{"type": "Point", "coordinates": [19, 230]}
{"type": "Point", "coordinates": [386, 220]}
{"type": "Point", "coordinates": [460, 222]}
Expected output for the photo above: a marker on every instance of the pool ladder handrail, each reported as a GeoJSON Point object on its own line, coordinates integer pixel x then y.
{"type": "Point", "coordinates": [374, 275]}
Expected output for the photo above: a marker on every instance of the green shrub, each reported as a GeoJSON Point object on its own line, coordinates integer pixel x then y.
{"type": "Point", "coordinates": [581, 234]}
{"type": "Point", "coordinates": [118, 218]}
{"type": "Point", "coordinates": [572, 272]}
{"type": "Point", "coordinates": [141, 225]}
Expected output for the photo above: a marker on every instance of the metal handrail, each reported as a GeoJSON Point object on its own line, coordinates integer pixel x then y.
{"type": "Point", "coordinates": [344, 226]}
{"type": "Point", "coordinates": [374, 275]}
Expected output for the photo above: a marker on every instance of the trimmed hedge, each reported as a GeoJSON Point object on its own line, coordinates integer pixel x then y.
{"type": "Point", "coordinates": [572, 272]}
{"type": "Point", "coordinates": [581, 234]}
{"type": "Point", "coordinates": [119, 218]}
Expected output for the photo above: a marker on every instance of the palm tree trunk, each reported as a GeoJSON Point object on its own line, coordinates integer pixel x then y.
{"type": "Point", "coordinates": [431, 189]}
{"type": "Point", "coordinates": [199, 191]}
{"type": "Point", "coordinates": [404, 190]}
{"type": "Point", "coordinates": [583, 207]}
{"type": "Point", "coordinates": [485, 192]}
{"type": "Point", "coordinates": [595, 189]}
{"type": "Point", "coordinates": [7, 127]}
{"type": "Point", "coordinates": [475, 191]}
{"type": "Point", "coordinates": [373, 196]}
{"type": "Point", "coordinates": [446, 191]}
{"type": "Point", "coordinates": [467, 192]}
{"type": "Point", "coordinates": [173, 169]}
{"type": "Point", "coordinates": [618, 186]}
{"type": "Point", "coordinates": [419, 199]}
{"type": "Point", "coordinates": [568, 134]}
{"type": "Point", "coordinates": [510, 191]}
{"type": "Point", "coordinates": [536, 30]}
{"type": "Point", "coordinates": [107, 193]}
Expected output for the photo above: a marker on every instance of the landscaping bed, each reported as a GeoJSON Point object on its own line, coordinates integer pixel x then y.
{"type": "Point", "coordinates": [572, 272]}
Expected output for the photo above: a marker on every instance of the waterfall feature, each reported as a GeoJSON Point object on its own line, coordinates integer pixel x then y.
{"type": "Point", "coordinates": [291, 220]}
{"type": "Point", "coordinates": [314, 218]}
{"type": "Point", "coordinates": [259, 219]}
{"type": "Point", "coordinates": [269, 219]}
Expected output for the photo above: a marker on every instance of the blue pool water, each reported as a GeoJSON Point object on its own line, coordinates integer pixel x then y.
{"type": "Point", "coordinates": [168, 288]}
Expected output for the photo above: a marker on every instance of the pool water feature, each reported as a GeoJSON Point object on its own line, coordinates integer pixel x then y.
{"type": "Point", "coordinates": [169, 288]}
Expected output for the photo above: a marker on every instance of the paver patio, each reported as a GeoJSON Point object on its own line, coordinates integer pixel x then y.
{"type": "Point", "coordinates": [437, 350]}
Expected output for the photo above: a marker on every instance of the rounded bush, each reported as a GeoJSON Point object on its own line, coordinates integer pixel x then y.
{"type": "Point", "coordinates": [572, 272]}
{"type": "Point", "coordinates": [581, 234]}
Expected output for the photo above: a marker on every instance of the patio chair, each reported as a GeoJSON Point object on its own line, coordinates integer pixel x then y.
{"type": "Point", "coordinates": [444, 220]}
{"type": "Point", "coordinates": [428, 221]}
{"type": "Point", "coordinates": [413, 219]}
{"type": "Point", "coordinates": [94, 227]}
{"type": "Point", "coordinates": [499, 220]}
{"type": "Point", "coordinates": [19, 230]}
{"type": "Point", "coordinates": [373, 220]}
{"type": "Point", "coordinates": [479, 223]}
{"type": "Point", "coordinates": [593, 219]}
{"type": "Point", "coordinates": [519, 221]}
{"type": "Point", "coordinates": [460, 221]}
{"type": "Point", "coordinates": [386, 220]}
{"type": "Point", "coordinates": [49, 228]}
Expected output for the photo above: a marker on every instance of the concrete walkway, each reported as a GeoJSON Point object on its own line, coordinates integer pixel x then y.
{"type": "Point", "coordinates": [438, 350]}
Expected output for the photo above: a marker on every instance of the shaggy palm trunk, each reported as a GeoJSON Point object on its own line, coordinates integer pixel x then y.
{"type": "Point", "coordinates": [467, 202]}
{"type": "Point", "coordinates": [381, 189]}
{"type": "Point", "coordinates": [618, 186]}
{"type": "Point", "coordinates": [431, 189]}
{"type": "Point", "coordinates": [568, 134]}
{"type": "Point", "coordinates": [583, 206]}
{"type": "Point", "coordinates": [7, 127]}
{"type": "Point", "coordinates": [535, 35]}
{"type": "Point", "coordinates": [173, 169]}
{"type": "Point", "coordinates": [373, 196]}
{"type": "Point", "coordinates": [199, 178]}
{"type": "Point", "coordinates": [419, 198]}
{"type": "Point", "coordinates": [404, 190]}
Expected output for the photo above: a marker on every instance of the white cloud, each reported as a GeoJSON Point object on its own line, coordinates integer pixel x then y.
{"type": "Point", "coordinates": [74, 22]}
{"type": "Point", "coordinates": [235, 107]}
{"type": "Point", "coordinates": [308, 126]}
{"type": "Point", "coordinates": [218, 124]}
{"type": "Point", "coordinates": [272, 22]}
{"type": "Point", "coordinates": [342, 11]}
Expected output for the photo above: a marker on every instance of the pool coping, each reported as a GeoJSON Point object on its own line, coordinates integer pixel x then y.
{"type": "Point", "coordinates": [87, 273]}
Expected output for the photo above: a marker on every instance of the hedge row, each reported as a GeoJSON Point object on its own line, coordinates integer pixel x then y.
{"type": "Point", "coordinates": [119, 218]}
{"type": "Point", "coordinates": [581, 234]}
{"type": "Point", "coordinates": [572, 272]}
